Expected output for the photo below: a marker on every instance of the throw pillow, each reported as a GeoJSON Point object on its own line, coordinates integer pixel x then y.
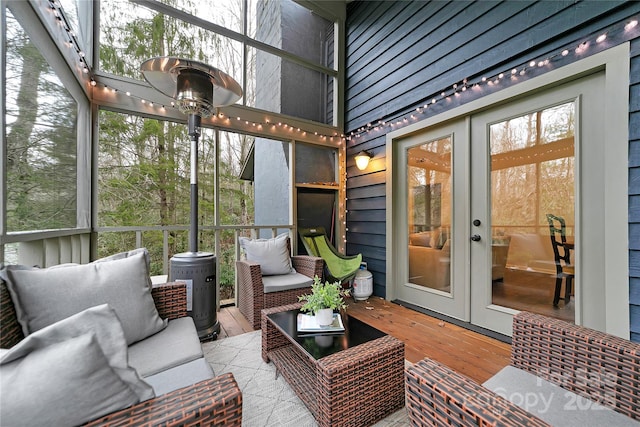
{"type": "Point", "coordinates": [442, 236]}
{"type": "Point", "coordinates": [446, 248]}
{"type": "Point", "coordinates": [435, 239]}
{"type": "Point", "coordinates": [272, 254]}
{"type": "Point", "coordinates": [45, 296]}
{"type": "Point", "coordinates": [103, 322]}
{"type": "Point", "coordinates": [420, 239]}
{"type": "Point", "coordinates": [65, 383]}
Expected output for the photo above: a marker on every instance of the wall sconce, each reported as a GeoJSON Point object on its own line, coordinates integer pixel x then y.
{"type": "Point", "coordinates": [362, 160]}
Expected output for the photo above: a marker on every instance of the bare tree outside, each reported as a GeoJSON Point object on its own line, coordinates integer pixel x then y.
{"type": "Point", "coordinates": [144, 163]}
{"type": "Point", "coordinates": [41, 137]}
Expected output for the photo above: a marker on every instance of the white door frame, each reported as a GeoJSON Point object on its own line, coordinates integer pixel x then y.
{"type": "Point", "coordinates": [615, 62]}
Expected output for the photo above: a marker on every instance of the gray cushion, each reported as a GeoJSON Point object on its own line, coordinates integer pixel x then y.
{"type": "Point", "coordinates": [178, 343]}
{"type": "Point", "coordinates": [101, 321]}
{"type": "Point", "coordinates": [65, 383]}
{"type": "Point", "coordinates": [551, 403]}
{"type": "Point", "coordinates": [284, 282]}
{"type": "Point", "coordinates": [272, 254]}
{"type": "Point", "coordinates": [45, 296]}
{"type": "Point", "coordinates": [181, 376]}
{"type": "Point", "coordinates": [127, 254]}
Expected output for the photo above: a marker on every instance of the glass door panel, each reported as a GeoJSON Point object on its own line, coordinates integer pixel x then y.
{"type": "Point", "coordinates": [429, 213]}
{"type": "Point", "coordinates": [532, 176]}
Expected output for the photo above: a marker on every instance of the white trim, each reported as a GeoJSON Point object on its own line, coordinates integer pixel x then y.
{"type": "Point", "coordinates": [616, 197]}
{"type": "Point", "coordinates": [615, 62]}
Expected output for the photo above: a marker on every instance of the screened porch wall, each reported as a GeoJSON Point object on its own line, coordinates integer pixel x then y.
{"type": "Point", "coordinates": [400, 55]}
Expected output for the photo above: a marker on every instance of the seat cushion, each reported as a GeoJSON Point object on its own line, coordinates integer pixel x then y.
{"type": "Point", "coordinates": [551, 403]}
{"type": "Point", "coordinates": [43, 296]}
{"type": "Point", "coordinates": [180, 376]}
{"type": "Point", "coordinates": [285, 282]}
{"type": "Point", "coordinates": [178, 343]}
{"type": "Point", "coordinates": [272, 254]}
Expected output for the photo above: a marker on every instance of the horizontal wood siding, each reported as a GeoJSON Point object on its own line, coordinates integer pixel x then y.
{"type": "Point", "coordinates": [414, 49]}
{"type": "Point", "coordinates": [401, 54]}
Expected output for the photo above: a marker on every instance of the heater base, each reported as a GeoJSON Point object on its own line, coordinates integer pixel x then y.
{"type": "Point", "coordinates": [198, 271]}
{"type": "Point", "coordinates": [210, 334]}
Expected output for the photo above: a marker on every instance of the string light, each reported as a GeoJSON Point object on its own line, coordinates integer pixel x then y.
{"type": "Point", "coordinates": [455, 90]}
{"type": "Point", "coordinates": [72, 43]}
{"type": "Point", "coordinates": [266, 124]}
{"type": "Point", "coordinates": [515, 73]}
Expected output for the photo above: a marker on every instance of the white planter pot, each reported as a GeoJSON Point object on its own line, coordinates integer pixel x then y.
{"type": "Point", "coordinates": [324, 317]}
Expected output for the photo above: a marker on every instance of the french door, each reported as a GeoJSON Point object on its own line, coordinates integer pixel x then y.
{"type": "Point", "coordinates": [533, 158]}
{"type": "Point", "coordinates": [429, 224]}
{"type": "Point", "coordinates": [473, 228]}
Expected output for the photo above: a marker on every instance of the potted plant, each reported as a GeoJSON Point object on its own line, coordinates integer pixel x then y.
{"type": "Point", "coordinates": [324, 298]}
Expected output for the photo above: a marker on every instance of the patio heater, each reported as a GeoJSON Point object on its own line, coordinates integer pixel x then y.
{"type": "Point", "coordinates": [198, 89]}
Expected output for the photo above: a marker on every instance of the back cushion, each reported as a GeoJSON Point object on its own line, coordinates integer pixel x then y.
{"type": "Point", "coordinates": [44, 296]}
{"type": "Point", "coordinates": [272, 254]}
{"type": "Point", "coordinates": [420, 239]}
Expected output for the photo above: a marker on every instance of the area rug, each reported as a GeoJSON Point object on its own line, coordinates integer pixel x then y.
{"type": "Point", "coordinates": [266, 401]}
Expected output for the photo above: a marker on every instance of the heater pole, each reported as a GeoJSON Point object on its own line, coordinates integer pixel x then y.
{"type": "Point", "coordinates": [194, 121]}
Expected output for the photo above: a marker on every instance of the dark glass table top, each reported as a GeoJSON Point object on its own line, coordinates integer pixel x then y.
{"type": "Point", "coordinates": [322, 345]}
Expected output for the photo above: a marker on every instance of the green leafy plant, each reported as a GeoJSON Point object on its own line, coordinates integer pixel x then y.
{"type": "Point", "coordinates": [327, 295]}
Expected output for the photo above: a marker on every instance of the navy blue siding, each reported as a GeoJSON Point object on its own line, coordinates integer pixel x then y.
{"type": "Point", "coordinates": [401, 54]}
{"type": "Point", "coordinates": [634, 190]}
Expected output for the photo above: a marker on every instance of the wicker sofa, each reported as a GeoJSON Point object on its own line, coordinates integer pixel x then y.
{"type": "Point", "coordinates": [193, 397]}
{"type": "Point", "coordinates": [598, 375]}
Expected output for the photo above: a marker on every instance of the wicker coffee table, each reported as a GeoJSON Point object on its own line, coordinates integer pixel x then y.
{"type": "Point", "coordinates": [355, 378]}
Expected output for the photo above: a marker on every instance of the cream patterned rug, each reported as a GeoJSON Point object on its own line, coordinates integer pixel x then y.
{"type": "Point", "coordinates": [266, 401]}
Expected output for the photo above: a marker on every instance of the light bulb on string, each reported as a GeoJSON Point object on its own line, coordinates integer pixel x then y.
{"type": "Point", "coordinates": [514, 73]}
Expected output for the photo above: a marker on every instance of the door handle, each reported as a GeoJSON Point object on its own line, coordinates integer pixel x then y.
{"type": "Point", "coordinates": [476, 238]}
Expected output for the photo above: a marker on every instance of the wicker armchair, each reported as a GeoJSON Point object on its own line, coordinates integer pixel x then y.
{"type": "Point", "coordinates": [581, 360]}
{"type": "Point", "coordinates": [217, 401]}
{"type": "Point", "coordinates": [251, 296]}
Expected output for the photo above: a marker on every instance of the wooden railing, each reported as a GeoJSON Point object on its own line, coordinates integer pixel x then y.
{"type": "Point", "coordinates": [48, 248]}
{"type": "Point", "coordinates": [253, 231]}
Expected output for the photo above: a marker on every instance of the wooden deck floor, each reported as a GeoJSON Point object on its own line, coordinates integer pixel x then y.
{"type": "Point", "coordinates": [475, 355]}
